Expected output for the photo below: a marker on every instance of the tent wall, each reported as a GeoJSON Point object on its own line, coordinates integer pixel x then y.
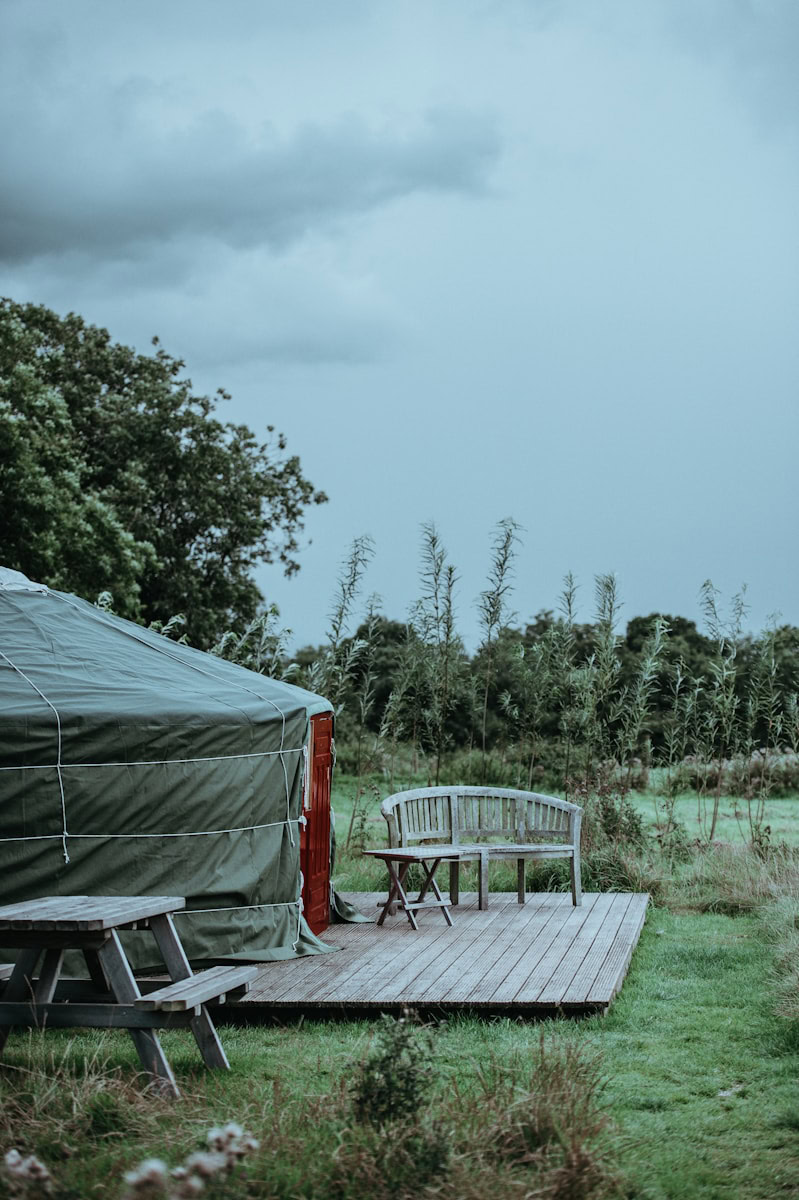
{"type": "Point", "coordinates": [132, 765]}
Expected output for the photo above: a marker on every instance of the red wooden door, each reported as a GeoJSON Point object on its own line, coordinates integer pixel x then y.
{"type": "Point", "coordinates": [315, 836]}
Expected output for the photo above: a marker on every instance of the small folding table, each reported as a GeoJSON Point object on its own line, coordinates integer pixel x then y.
{"type": "Point", "coordinates": [398, 860]}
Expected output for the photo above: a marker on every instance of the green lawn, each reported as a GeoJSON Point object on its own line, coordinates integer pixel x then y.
{"type": "Point", "coordinates": [700, 1072]}
{"type": "Point", "coordinates": [701, 1080]}
{"type": "Point", "coordinates": [782, 815]}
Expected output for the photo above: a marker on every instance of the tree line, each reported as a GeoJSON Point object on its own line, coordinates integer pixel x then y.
{"type": "Point", "coordinates": [119, 483]}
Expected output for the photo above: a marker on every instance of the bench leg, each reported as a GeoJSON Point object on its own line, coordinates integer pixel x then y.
{"type": "Point", "coordinates": [179, 967]}
{"type": "Point", "coordinates": [577, 889]}
{"type": "Point", "coordinates": [125, 990]}
{"type": "Point", "coordinates": [454, 882]}
{"type": "Point", "coordinates": [520, 880]}
{"type": "Point", "coordinates": [20, 985]}
{"type": "Point", "coordinates": [482, 902]}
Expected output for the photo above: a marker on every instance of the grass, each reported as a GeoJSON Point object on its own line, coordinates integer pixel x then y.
{"type": "Point", "coordinates": [686, 1088]}
{"type": "Point", "coordinates": [733, 826]}
{"type": "Point", "coordinates": [700, 1082]}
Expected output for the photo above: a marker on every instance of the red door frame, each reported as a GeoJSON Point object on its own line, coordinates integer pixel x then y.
{"type": "Point", "coordinates": [315, 834]}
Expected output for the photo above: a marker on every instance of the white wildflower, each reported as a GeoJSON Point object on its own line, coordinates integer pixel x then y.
{"type": "Point", "coordinates": [149, 1179]}
{"type": "Point", "coordinates": [27, 1170]}
{"type": "Point", "coordinates": [232, 1141]}
{"type": "Point", "coordinates": [215, 1137]}
{"type": "Point", "coordinates": [188, 1187]}
{"type": "Point", "coordinates": [206, 1164]}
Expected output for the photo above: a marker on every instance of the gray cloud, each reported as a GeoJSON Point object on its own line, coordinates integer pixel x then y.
{"type": "Point", "coordinates": [112, 181]}
{"type": "Point", "coordinates": [758, 44]}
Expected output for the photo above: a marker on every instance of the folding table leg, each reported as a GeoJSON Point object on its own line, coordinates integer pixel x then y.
{"type": "Point", "coordinates": [437, 894]}
{"type": "Point", "coordinates": [20, 985]}
{"type": "Point", "coordinates": [179, 967]}
{"type": "Point", "coordinates": [126, 991]}
{"type": "Point", "coordinates": [396, 891]}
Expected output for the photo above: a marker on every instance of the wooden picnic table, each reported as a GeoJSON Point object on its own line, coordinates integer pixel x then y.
{"type": "Point", "coordinates": [429, 857]}
{"type": "Point", "coordinates": [44, 929]}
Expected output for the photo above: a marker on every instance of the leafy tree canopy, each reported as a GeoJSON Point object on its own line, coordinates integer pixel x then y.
{"type": "Point", "coordinates": [115, 476]}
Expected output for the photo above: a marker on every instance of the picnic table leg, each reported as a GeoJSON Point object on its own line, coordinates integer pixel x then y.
{"type": "Point", "coordinates": [20, 985]}
{"type": "Point", "coordinates": [179, 967]}
{"type": "Point", "coordinates": [482, 902]}
{"type": "Point", "coordinates": [125, 990]}
{"type": "Point", "coordinates": [48, 976]}
{"type": "Point", "coordinates": [96, 973]}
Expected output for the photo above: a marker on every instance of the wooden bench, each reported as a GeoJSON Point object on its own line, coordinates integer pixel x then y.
{"type": "Point", "coordinates": [479, 824]}
{"type": "Point", "coordinates": [217, 983]}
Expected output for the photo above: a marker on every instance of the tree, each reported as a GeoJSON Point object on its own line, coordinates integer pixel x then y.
{"type": "Point", "coordinates": [115, 476]}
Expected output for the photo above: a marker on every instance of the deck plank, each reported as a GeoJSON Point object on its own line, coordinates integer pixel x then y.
{"type": "Point", "coordinates": [563, 922]}
{"type": "Point", "coordinates": [517, 942]}
{"type": "Point", "coordinates": [396, 961]}
{"type": "Point", "coordinates": [581, 982]}
{"type": "Point", "coordinates": [611, 975]}
{"type": "Point", "coordinates": [424, 970]}
{"type": "Point", "coordinates": [553, 990]}
{"type": "Point", "coordinates": [542, 956]}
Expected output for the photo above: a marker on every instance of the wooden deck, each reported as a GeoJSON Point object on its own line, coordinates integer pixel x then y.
{"type": "Point", "coordinates": [544, 956]}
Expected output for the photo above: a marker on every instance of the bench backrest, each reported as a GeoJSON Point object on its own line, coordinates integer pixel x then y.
{"type": "Point", "coordinates": [471, 814]}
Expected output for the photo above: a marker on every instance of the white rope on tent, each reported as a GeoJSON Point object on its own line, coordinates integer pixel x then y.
{"type": "Point", "coordinates": [99, 616]}
{"type": "Point", "coordinates": [43, 837]}
{"type": "Point", "coordinates": [58, 763]}
{"type": "Point", "coordinates": [298, 904]}
{"type": "Point", "coordinates": [155, 762]}
{"type": "Point", "coordinates": [185, 912]}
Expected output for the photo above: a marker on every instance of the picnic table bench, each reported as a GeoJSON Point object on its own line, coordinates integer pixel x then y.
{"type": "Point", "coordinates": [44, 929]}
{"type": "Point", "coordinates": [478, 824]}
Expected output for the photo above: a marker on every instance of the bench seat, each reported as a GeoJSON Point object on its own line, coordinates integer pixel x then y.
{"type": "Point", "coordinates": [480, 824]}
{"type": "Point", "coordinates": [217, 983]}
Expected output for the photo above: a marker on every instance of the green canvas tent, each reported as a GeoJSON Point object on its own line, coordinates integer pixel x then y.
{"type": "Point", "coordinates": [130, 764]}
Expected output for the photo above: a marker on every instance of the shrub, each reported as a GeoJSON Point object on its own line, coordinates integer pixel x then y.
{"type": "Point", "coordinates": [394, 1080]}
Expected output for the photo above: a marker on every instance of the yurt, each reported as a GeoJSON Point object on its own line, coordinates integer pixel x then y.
{"type": "Point", "coordinates": [130, 764]}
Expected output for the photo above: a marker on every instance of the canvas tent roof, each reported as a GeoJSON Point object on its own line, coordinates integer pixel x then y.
{"type": "Point", "coordinates": [132, 764]}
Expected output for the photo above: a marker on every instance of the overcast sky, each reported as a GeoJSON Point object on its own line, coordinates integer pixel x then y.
{"type": "Point", "coordinates": [476, 258]}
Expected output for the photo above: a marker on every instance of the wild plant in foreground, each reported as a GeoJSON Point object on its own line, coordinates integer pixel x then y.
{"type": "Point", "coordinates": [26, 1175]}
{"type": "Point", "coordinates": [395, 1078]}
{"type": "Point", "coordinates": [544, 1121]}
{"type": "Point", "coordinates": [780, 921]}
{"type": "Point", "coordinates": [227, 1146]}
